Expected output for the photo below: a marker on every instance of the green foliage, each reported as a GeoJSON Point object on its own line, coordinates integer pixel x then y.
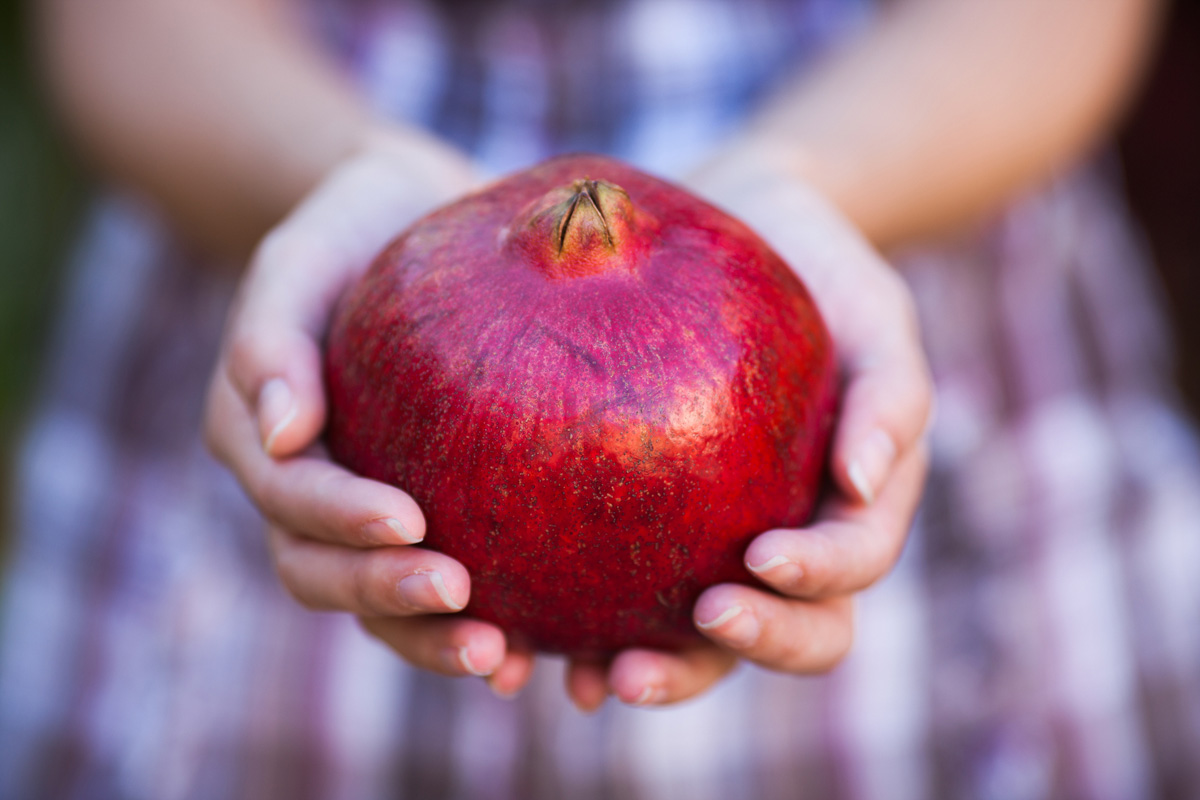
{"type": "Point", "coordinates": [40, 195]}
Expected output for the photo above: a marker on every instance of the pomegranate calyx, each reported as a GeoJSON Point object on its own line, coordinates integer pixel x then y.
{"type": "Point", "coordinates": [583, 228]}
{"type": "Point", "coordinates": [584, 214]}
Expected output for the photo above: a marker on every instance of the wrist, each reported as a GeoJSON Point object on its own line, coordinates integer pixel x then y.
{"type": "Point", "coordinates": [758, 158]}
{"type": "Point", "coordinates": [754, 175]}
{"type": "Point", "coordinates": [414, 152]}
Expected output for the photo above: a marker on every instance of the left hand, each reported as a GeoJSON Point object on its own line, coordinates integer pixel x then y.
{"type": "Point", "coordinates": [801, 620]}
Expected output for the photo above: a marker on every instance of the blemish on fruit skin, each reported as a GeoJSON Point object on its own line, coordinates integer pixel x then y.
{"type": "Point", "coordinates": [662, 475]}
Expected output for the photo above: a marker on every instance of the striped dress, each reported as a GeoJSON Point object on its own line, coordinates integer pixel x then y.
{"type": "Point", "coordinates": [1040, 637]}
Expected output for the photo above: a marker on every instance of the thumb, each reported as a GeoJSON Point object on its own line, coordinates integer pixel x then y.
{"type": "Point", "coordinates": [277, 371]}
{"type": "Point", "coordinates": [272, 354]}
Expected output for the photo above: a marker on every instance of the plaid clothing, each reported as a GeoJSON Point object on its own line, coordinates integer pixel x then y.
{"type": "Point", "coordinates": [1040, 637]}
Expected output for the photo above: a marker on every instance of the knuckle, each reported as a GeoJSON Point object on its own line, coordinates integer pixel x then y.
{"type": "Point", "coordinates": [277, 247]}
{"type": "Point", "coordinates": [379, 628]}
{"type": "Point", "coordinates": [332, 494]}
{"type": "Point", "coordinates": [914, 411]}
{"type": "Point", "coordinates": [287, 248]}
{"type": "Point", "coordinates": [827, 662]}
{"type": "Point", "coordinates": [331, 486]}
{"type": "Point", "coordinates": [249, 353]}
{"type": "Point", "coordinates": [878, 551]}
{"type": "Point", "coordinates": [365, 578]}
{"type": "Point", "coordinates": [290, 575]}
{"type": "Point", "coordinates": [823, 657]}
{"type": "Point", "coordinates": [795, 654]}
{"type": "Point", "coordinates": [814, 645]}
{"type": "Point", "coordinates": [214, 422]}
{"type": "Point", "coordinates": [820, 560]}
{"type": "Point", "coordinates": [904, 395]}
{"type": "Point", "coordinates": [304, 600]}
{"type": "Point", "coordinates": [268, 493]}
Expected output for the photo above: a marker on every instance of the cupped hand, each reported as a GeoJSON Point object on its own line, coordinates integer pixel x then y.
{"type": "Point", "coordinates": [339, 541]}
{"type": "Point", "coordinates": [800, 620]}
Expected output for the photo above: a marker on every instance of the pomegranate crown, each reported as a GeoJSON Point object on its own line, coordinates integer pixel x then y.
{"type": "Point", "coordinates": [586, 227]}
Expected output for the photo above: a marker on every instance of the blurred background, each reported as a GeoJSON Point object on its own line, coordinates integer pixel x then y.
{"type": "Point", "coordinates": [42, 191]}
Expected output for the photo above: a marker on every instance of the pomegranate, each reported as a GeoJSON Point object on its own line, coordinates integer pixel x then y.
{"type": "Point", "coordinates": [598, 388]}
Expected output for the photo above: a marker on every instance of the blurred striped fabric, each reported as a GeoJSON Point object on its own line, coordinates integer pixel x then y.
{"type": "Point", "coordinates": [1039, 639]}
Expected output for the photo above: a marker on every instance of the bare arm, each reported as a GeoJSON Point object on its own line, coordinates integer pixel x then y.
{"type": "Point", "coordinates": [933, 117]}
{"type": "Point", "coordinates": [945, 108]}
{"type": "Point", "coordinates": [220, 110]}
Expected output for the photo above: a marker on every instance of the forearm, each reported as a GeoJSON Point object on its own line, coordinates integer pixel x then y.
{"type": "Point", "coordinates": [945, 108]}
{"type": "Point", "coordinates": [218, 110]}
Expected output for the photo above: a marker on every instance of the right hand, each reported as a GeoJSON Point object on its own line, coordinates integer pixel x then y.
{"type": "Point", "coordinates": [339, 541]}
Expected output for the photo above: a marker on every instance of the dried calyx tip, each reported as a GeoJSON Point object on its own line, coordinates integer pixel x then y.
{"type": "Point", "coordinates": [585, 200]}
{"type": "Point", "coordinates": [582, 227]}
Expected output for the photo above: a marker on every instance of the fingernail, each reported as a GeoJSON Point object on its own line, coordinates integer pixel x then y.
{"type": "Point", "coordinates": [276, 410]}
{"type": "Point", "coordinates": [463, 657]}
{"type": "Point", "coordinates": [427, 591]}
{"type": "Point", "coordinates": [869, 468]}
{"type": "Point", "coordinates": [721, 618]}
{"type": "Point", "coordinates": [649, 696]}
{"type": "Point", "coordinates": [736, 626]}
{"type": "Point", "coordinates": [388, 531]}
{"type": "Point", "coordinates": [790, 573]}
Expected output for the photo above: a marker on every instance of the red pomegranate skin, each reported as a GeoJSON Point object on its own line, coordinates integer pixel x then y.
{"type": "Point", "coordinates": [597, 387]}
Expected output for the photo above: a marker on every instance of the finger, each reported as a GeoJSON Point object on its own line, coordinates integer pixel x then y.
{"type": "Point", "coordinates": [587, 684]}
{"type": "Point", "coordinates": [304, 264]}
{"type": "Point", "coordinates": [307, 495]}
{"type": "Point", "coordinates": [272, 353]}
{"type": "Point", "coordinates": [775, 632]}
{"type": "Point", "coordinates": [324, 501]}
{"type": "Point", "coordinates": [276, 369]}
{"type": "Point", "coordinates": [454, 646]}
{"type": "Point", "coordinates": [653, 677]}
{"type": "Point", "coordinates": [888, 397]}
{"type": "Point", "coordinates": [849, 547]}
{"type": "Point", "coordinates": [229, 431]}
{"type": "Point", "coordinates": [394, 581]}
{"type": "Point", "coordinates": [513, 673]}
{"type": "Point", "coordinates": [296, 275]}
